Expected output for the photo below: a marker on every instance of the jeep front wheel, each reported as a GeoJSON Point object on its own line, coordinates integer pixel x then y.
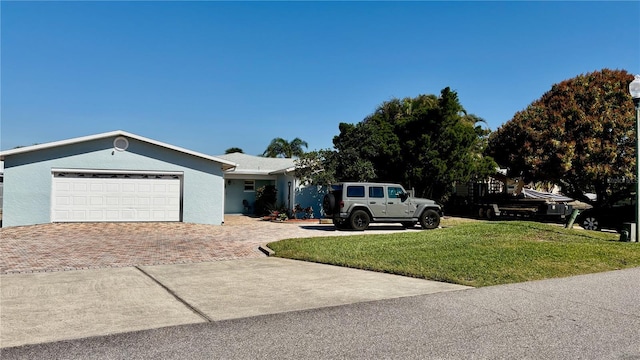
{"type": "Point", "coordinates": [430, 219]}
{"type": "Point", "coordinates": [359, 220]}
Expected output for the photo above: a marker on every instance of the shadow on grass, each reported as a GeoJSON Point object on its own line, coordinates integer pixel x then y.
{"type": "Point", "coordinates": [586, 234]}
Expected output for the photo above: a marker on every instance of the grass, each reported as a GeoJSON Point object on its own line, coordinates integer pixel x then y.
{"type": "Point", "coordinates": [473, 253]}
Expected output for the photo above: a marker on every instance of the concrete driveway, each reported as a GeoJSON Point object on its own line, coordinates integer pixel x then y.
{"type": "Point", "coordinates": [145, 276]}
{"type": "Point", "coordinates": [45, 307]}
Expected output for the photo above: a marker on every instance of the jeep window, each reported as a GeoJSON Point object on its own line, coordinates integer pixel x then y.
{"type": "Point", "coordinates": [376, 192]}
{"type": "Point", "coordinates": [394, 192]}
{"type": "Point", "coordinates": [355, 191]}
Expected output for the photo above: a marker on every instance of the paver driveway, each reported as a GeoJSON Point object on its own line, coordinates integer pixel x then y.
{"type": "Point", "coordinates": [72, 246]}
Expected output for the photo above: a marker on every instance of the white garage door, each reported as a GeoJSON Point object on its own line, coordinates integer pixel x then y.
{"type": "Point", "coordinates": [78, 197]}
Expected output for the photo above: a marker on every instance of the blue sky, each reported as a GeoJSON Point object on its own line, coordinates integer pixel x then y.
{"type": "Point", "coordinates": [212, 75]}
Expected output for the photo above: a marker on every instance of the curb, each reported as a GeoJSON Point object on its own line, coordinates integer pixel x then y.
{"type": "Point", "coordinates": [265, 249]}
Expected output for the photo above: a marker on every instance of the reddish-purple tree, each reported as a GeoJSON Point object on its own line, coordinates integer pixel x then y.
{"type": "Point", "coordinates": [580, 134]}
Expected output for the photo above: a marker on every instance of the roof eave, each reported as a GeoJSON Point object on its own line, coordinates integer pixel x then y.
{"type": "Point", "coordinates": [283, 171]}
{"type": "Point", "coordinates": [226, 164]}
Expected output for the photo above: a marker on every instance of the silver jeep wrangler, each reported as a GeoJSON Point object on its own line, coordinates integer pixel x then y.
{"type": "Point", "coordinates": [354, 205]}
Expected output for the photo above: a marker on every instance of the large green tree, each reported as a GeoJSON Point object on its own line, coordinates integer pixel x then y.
{"type": "Point", "coordinates": [579, 134]}
{"type": "Point", "coordinates": [426, 143]}
{"type": "Point", "coordinates": [280, 147]}
{"type": "Point", "coordinates": [317, 167]}
{"type": "Point", "coordinates": [444, 145]}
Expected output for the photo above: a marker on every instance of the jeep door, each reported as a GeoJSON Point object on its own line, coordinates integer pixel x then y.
{"type": "Point", "coordinates": [396, 207]}
{"type": "Point", "coordinates": [377, 201]}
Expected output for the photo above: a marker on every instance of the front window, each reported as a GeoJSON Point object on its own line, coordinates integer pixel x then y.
{"type": "Point", "coordinates": [249, 185]}
{"type": "Point", "coordinates": [395, 192]}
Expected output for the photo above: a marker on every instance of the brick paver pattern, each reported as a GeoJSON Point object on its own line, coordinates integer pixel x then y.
{"type": "Point", "coordinates": [73, 246]}
{"type": "Point", "coordinates": [77, 246]}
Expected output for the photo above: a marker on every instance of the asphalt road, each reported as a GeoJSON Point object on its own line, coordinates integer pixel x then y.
{"type": "Point", "coordinates": [593, 316]}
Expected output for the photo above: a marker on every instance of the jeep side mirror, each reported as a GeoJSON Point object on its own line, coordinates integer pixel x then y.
{"type": "Point", "coordinates": [404, 196]}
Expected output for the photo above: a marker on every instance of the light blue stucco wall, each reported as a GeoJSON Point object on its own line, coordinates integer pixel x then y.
{"type": "Point", "coordinates": [235, 193]}
{"type": "Point", "coordinates": [311, 195]}
{"type": "Point", "coordinates": [27, 178]}
{"type": "Point", "coordinates": [306, 196]}
{"type": "Point", "coordinates": [282, 184]}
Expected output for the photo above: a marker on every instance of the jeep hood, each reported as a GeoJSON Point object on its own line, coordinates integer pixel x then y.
{"type": "Point", "coordinates": [423, 201]}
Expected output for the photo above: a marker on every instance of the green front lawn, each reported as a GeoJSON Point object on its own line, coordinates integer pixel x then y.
{"type": "Point", "coordinates": [473, 253]}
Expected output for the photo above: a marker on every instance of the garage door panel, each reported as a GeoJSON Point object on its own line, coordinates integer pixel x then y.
{"type": "Point", "coordinates": [91, 215]}
{"type": "Point", "coordinates": [63, 200]}
{"type": "Point", "coordinates": [128, 215]}
{"type": "Point", "coordinates": [128, 187]}
{"type": "Point", "coordinates": [79, 186]}
{"type": "Point", "coordinates": [113, 215]}
{"type": "Point", "coordinates": [111, 187]}
{"type": "Point", "coordinates": [157, 214]}
{"type": "Point", "coordinates": [64, 187]}
{"type": "Point", "coordinates": [62, 215]}
{"type": "Point", "coordinates": [115, 199]}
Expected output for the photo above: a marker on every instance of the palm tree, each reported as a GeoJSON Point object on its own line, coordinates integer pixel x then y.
{"type": "Point", "coordinates": [232, 150]}
{"type": "Point", "coordinates": [280, 147]}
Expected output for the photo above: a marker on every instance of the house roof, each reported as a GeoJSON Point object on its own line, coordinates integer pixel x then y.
{"type": "Point", "coordinates": [258, 165]}
{"type": "Point", "coordinates": [226, 164]}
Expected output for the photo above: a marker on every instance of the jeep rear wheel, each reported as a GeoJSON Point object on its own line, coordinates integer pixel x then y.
{"type": "Point", "coordinates": [430, 219]}
{"type": "Point", "coordinates": [359, 220]}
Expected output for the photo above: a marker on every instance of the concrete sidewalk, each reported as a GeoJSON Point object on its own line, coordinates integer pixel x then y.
{"type": "Point", "coordinates": [46, 307]}
{"type": "Point", "coordinates": [594, 316]}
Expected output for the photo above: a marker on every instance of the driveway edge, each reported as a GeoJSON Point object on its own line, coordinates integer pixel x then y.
{"type": "Point", "coordinates": [266, 250]}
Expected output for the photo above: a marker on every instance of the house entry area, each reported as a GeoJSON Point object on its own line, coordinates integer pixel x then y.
{"type": "Point", "coordinates": [97, 196]}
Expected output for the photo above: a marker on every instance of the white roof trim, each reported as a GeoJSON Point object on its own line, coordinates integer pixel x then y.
{"type": "Point", "coordinates": [249, 172]}
{"type": "Point", "coordinates": [225, 163]}
{"type": "Point", "coordinates": [253, 176]}
{"type": "Point", "coordinates": [284, 171]}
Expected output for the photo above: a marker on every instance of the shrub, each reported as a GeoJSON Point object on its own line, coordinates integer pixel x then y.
{"type": "Point", "coordinates": [266, 197]}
